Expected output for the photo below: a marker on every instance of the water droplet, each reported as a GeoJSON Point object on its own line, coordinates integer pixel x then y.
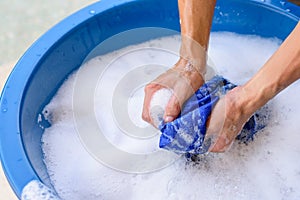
{"type": "Point", "coordinates": [171, 186]}
{"type": "Point", "coordinates": [173, 196]}
{"type": "Point", "coordinates": [4, 102]}
{"type": "Point", "coordinates": [4, 110]}
{"type": "Point", "coordinates": [92, 12]}
{"type": "Point", "coordinates": [288, 10]}
{"type": "Point", "coordinates": [282, 3]}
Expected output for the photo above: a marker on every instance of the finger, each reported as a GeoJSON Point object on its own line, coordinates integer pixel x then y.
{"type": "Point", "coordinates": [224, 141]}
{"type": "Point", "coordinates": [181, 93]}
{"type": "Point", "coordinates": [212, 139]}
{"type": "Point", "coordinates": [220, 146]}
{"type": "Point", "coordinates": [172, 109]}
{"type": "Point", "coordinates": [215, 125]}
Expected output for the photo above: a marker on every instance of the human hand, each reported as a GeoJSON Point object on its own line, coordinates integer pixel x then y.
{"type": "Point", "coordinates": [228, 118]}
{"type": "Point", "coordinates": [232, 111]}
{"type": "Point", "coordinates": [183, 80]}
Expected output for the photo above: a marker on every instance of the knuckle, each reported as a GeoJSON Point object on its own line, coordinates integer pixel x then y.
{"type": "Point", "coordinates": [145, 117]}
{"type": "Point", "coordinates": [177, 107]}
{"type": "Point", "coordinates": [151, 86]}
{"type": "Point", "coordinates": [172, 112]}
{"type": "Point", "coordinates": [173, 108]}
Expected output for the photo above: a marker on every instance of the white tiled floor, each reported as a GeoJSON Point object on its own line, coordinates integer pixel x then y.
{"type": "Point", "coordinates": [22, 22]}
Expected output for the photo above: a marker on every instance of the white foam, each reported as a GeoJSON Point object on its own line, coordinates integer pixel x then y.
{"type": "Point", "coordinates": [267, 168]}
{"type": "Point", "coordinates": [35, 190]}
{"type": "Point", "coordinates": [158, 105]}
{"type": "Point", "coordinates": [135, 108]}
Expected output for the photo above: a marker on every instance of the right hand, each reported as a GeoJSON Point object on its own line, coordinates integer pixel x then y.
{"type": "Point", "coordinates": [182, 79]}
{"type": "Point", "coordinates": [228, 118]}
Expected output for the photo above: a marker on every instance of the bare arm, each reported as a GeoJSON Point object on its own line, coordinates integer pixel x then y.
{"type": "Point", "coordinates": [231, 112]}
{"type": "Point", "coordinates": [196, 19]}
{"type": "Point", "coordinates": [282, 69]}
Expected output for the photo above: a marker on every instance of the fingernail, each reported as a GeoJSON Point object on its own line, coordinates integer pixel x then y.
{"type": "Point", "coordinates": [169, 118]}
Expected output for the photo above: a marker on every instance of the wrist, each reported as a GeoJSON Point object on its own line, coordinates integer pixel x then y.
{"type": "Point", "coordinates": [188, 71]}
{"type": "Point", "coordinates": [194, 53]}
{"type": "Point", "coordinates": [255, 95]}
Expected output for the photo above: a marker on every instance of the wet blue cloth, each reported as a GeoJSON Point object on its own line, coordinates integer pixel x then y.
{"type": "Point", "coordinates": [186, 133]}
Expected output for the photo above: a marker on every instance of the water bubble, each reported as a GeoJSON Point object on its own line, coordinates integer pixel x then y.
{"type": "Point", "coordinates": [4, 102]}
{"type": "Point", "coordinates": [171, 189]}
{"type": "Point", "coordinates": [282, 3]}
{"type": "Point", "coordinates": [288, 10]}
{"type": "Point", "coordinates": [173, 196]}
{"type": "Point", "coordinates": [92, 12]}
{"type": "Point", "coordinates": [4, 110]}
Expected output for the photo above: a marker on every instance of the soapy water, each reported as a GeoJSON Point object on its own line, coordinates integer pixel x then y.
{"type": "Point", "coordinates": [266, 168]}
{"type": "Point", "coordinates": [35, 190]}
{"type": "Point", "coordinates": [158, 105]}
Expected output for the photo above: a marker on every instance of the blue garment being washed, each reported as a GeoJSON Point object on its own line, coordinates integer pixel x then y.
{"type": "Point", "coordinates": [186, 133]}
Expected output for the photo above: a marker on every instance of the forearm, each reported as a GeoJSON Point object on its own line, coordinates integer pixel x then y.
{"type": "Point", "coordinates": [195, 22]}
{"type": "Point", "coordinates": [196, 19]}
{"type": "Point", "coordinates": [282, 69]}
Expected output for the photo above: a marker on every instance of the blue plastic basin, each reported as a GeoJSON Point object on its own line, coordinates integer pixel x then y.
{"type": "Point", "coordinates": [47, 63]}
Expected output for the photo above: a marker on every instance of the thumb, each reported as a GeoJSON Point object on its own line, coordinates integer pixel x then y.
{"type": "Point", "coordinates": [181, 93]}
{"type": "Point", "coordinates": [172, 109]}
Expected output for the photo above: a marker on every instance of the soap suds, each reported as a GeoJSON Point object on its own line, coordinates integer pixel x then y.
{"type": "Point", "coordinates": [158, 105]}
{"type": "Point", "coordinates": [36, 190]}
{"type": "Point", "coordinates": [267, 168]}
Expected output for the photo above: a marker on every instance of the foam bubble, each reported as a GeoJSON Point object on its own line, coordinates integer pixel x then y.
{"type": "Point", "coordinates": [35, 190]}
{"type": "Point", "coordinates": [158, 105]}
{"type": "Point", "coordinates": [266, 168]}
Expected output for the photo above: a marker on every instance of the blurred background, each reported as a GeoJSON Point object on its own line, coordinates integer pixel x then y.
{"type": "Point", "coordinates": [295, 2]}
{"type": "Point", "coordinates": [22, 22]}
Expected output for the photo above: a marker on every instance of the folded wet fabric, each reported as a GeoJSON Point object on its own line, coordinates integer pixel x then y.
{"type": "Point", "coordinates": [186, 133]}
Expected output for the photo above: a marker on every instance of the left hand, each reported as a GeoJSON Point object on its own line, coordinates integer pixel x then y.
{"type": "Point", "coordinates": [227, 119]}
